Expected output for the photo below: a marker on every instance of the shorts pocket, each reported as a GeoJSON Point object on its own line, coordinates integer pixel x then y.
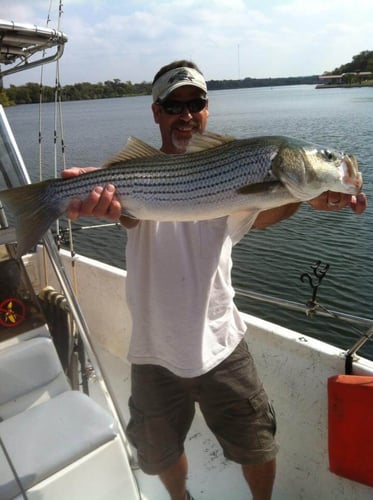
{"type": "Point", "coordinates": [272, 415]}
{"type": "Point", "coordinates": [135, 425]}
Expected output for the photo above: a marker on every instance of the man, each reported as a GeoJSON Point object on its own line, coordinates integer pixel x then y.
{"type": "Point", "coordinates": [187, 341]}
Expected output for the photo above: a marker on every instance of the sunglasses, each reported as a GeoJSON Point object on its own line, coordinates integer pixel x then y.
{"type": "Point", "coordinates": [172, 107]}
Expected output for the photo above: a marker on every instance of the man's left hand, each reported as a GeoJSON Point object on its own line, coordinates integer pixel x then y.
{"type": "Point", "coordinates": [331, 201]}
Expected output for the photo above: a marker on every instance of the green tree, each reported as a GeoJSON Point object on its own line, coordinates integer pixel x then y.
{"type": "Point", "coordinates": [360, 62]}
{"type": "Point", "coordinates": [4, 99]}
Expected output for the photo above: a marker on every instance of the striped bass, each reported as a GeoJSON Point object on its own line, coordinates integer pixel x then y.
{"type": "Point", "coordinates": [219, 176]}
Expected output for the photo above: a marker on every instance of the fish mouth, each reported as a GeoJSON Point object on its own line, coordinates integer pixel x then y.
{"type": "Point", "coordinates": [351, 172]}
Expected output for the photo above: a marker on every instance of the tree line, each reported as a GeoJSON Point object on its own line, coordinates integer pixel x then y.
{"type": "Point", "coordinates": [34, 92]}
{"type": "Point", "coordinates": [261, 82]}
{"type": "Point", "coordinates": [360, 63]}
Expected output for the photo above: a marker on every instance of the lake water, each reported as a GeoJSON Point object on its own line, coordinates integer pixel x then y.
{"type": "Point", "coordinates": [269, 261]}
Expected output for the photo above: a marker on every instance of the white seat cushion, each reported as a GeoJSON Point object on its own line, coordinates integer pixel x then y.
{"type": "Point", "coordinates": [50, 436]}
{"type": "Point", "coordinates": [30, 373]}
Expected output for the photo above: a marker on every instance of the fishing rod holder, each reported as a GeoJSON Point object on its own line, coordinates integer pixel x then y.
{"type": "Point", "coordinates": [319, 271]}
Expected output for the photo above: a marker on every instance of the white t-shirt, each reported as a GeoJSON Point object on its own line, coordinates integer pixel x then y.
{"type": "Point", "coordinates": [180, 294]}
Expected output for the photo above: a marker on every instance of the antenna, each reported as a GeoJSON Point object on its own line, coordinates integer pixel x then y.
{"type": "Point", "coordinates": [238, 62]}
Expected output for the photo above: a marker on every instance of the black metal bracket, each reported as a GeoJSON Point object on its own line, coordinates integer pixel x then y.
{"type": "Point", "coordinates": [319, 271]}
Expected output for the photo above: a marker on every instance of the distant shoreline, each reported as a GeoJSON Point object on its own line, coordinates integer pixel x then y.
{"type": "Point", "coordinates": [30, 92]}
{"type": "Point", "coordinates": [342, 85]}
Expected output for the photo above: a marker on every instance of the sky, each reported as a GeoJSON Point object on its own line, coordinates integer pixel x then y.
{"type": "Point", "coordinates": [228, 39]}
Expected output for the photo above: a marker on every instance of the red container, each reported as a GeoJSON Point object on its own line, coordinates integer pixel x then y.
{"type": "Point", "coordinates": [350, 432]}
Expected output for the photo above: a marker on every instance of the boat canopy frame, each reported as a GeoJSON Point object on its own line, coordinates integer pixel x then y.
{"type": "Point", "coordinates": [20, 42]}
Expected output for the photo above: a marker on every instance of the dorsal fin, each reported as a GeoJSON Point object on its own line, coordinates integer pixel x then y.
{"type": "Point", "coordinates": [133, 149]}
{"type": "Point", "coordinates": [207, 140]}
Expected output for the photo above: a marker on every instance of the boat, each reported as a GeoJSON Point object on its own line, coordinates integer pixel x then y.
{"type": "Point", "coordinates": [65, 379]}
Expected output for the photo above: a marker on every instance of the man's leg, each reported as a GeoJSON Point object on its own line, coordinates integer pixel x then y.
{"type": "Point", "coordinates": [238, 412]}
{"type": "Point", "coordinates": [174, 478]}
{"type": "Point", "coordinates": [260, 478]}
{"type": "Point", "coordinates": [162, 411]}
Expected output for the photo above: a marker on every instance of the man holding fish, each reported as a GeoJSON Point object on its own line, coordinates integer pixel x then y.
{"type": "Point", "coordinates": [187, 342]}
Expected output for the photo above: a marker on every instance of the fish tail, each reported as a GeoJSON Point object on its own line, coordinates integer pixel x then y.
{"type": "Point", "coordinates": [34, 211]}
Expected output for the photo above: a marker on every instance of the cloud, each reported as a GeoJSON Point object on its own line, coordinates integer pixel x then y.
{"type": "Point", "coordinates": [23, 12]}
{"type": "Point", "coordinates": [131, 39]}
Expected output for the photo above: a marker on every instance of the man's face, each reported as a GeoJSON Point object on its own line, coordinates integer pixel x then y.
{"type": "Point", "coordinates": [177, 130]}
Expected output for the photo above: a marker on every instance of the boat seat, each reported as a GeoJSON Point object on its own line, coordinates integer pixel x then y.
{"type": "Point", "coordinates": [30, 373]}
{"type": "Point", "coordinates": [40, 331]}
{"type": "Point", "coordinates": [48, 437]}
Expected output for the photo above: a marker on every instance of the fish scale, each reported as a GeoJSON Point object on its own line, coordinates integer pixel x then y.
{"type": "Point", "coordinates": [207, 173]}
{"type": "Point", "coordinates": [176, 176]}
{"type": "Point", "coordinates": [221, 177]}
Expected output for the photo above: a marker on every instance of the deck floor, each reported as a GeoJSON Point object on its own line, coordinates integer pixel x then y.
{"type": "Point", "coordinates": [294, 370]}
{"type": "Point", "coordinates": [211, 476]}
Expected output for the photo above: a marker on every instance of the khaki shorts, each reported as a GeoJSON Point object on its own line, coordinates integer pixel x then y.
{"type": "Point", "coordinates": [232, 400]}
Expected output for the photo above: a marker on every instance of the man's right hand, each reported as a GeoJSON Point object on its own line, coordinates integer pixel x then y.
{"type": "Point", "coordinates": [102, 201]}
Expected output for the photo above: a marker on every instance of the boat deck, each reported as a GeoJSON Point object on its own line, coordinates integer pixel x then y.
{"type": "Point", "coordinates": [210, 475]}
{"type": "Point", "coordinates": [295, 377]}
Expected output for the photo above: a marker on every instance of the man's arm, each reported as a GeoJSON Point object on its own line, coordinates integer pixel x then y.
{"type": "Point", "coordinates": [269, 217]}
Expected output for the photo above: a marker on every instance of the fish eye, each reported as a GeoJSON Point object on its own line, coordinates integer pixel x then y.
{"type": "Point", "coordinates": [329, 155]}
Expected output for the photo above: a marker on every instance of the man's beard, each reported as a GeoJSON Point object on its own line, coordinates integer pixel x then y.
{"type": "Point", "coordinates": [181, 143]}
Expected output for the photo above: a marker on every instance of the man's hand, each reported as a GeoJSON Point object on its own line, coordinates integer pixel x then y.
{"type": "Point", "coordinates": [331, 201]}
{"type": "Point", "coordinates": [102, 201]}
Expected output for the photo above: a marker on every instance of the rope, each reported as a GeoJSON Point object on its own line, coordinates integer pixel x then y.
{"type": "Point", "coordinates": [13, 469]}
{"type": "Point", "coordinates": [58, 141]}
{"type": "Point", "coordinates": [59, 116]}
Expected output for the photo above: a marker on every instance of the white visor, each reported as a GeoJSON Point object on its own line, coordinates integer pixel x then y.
{"type": "Point", "coordinates": [175, 78]}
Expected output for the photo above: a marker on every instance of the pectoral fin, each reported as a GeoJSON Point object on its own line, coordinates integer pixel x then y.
{"type": "Point", "coordinates": [260, 187]}
{"type": "Point", "coordinates": [126, 213]}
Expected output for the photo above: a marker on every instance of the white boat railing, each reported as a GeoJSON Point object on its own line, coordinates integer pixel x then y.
{"type": "Point", "coordinates": [309, 308]}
